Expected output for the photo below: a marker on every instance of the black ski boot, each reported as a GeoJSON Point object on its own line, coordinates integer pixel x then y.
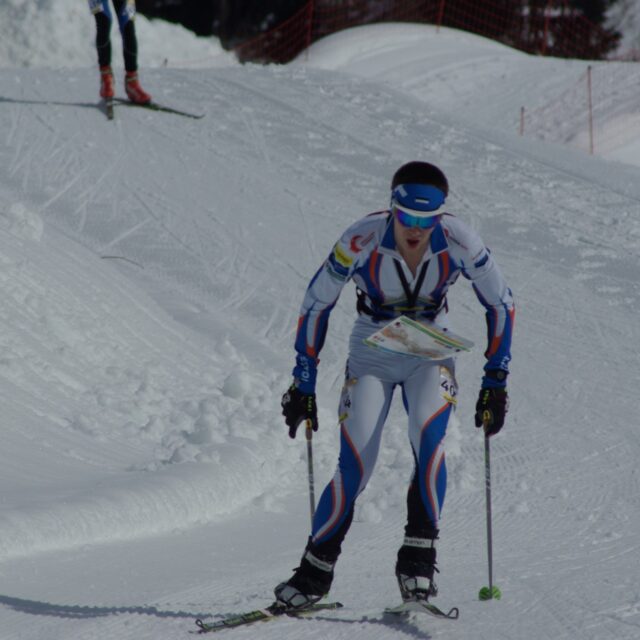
{"type": "Point", "coordinates": [309, 583]}
{"type": "Point", "coordinates": [415, 568]}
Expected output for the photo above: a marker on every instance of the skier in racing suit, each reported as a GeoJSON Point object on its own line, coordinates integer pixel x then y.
{"type": "Point", "coordinates": [126, 11]}
{"type": "Point", "coordinates": [403, 261]}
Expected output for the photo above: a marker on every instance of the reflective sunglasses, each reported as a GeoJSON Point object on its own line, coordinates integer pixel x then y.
{"type": "Point", "coordinates": [409, 221]}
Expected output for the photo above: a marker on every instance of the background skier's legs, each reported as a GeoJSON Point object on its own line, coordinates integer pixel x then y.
{"type": "Point", "coordinates": [126, 11]}
{"type": "Point", "coordinates": [102, 14]}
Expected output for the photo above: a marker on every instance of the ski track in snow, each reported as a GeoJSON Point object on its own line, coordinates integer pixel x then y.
{"type": "Point", "coordinates": [152, 271]}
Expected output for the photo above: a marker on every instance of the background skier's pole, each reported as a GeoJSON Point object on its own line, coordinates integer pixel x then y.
{"type": "Point", "coordinates": [490, 592]}
{"type": "Point", "coordinates": [312, 496]}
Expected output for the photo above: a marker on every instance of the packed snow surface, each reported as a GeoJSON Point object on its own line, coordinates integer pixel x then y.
{"type": "Point", "coordinates": [151, 274]}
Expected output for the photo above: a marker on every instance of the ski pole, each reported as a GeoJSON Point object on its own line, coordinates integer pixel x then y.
{"type": "Point", "coordinates": [491, 592]}
{"type": "Point", "coordinates": [312, 496]}
{"type": "Point", "coordinates": [487, 487]}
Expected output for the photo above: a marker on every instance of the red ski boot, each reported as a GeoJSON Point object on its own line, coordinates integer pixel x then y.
{"type": "Point", "coordinates": [106, 83]}
{"type": "Point", "coordinates": [135, 92]}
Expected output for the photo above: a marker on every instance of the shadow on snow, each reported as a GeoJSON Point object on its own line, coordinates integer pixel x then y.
{"type": "Point", "coordinates": [35, 608]}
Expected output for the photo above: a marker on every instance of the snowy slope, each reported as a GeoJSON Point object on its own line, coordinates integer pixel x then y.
{"type": "Point", "coordinates": [624, 16]}
{"type": "Point", "coordinates": [152, 270]}
{"type": "Point", "coordinates": [484, 82]}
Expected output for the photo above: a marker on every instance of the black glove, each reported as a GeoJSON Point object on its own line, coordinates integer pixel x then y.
{"type": "Point", "coordinates": [491, 408]}
{"type": "Point", "coordinates": [297, 407]}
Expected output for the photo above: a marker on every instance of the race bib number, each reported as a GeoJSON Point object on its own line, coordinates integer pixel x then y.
{"type": "Point", "coordinates": [448, 386]}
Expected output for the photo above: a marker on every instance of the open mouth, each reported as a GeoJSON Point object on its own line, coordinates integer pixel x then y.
{"type": "Point", "coordinates": [413, 243]}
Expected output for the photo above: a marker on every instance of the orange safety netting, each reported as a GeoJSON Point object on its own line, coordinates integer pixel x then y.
{"type": "Point", "coordinates": [545, 27]}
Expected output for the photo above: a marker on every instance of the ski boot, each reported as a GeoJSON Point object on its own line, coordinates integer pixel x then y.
{"type": "Point", "coordinates": [309, 583]}
{"type": "Point", "coordinates": [106, 83]}
{"type": "Point", "coordinates": [135, 92]}
{"type": "Point", "coordinates": [415, 568]}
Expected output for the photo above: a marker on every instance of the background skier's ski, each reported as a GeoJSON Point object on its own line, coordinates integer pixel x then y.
{"type": "Point", "coordinates": [108, 108]}
{"type": "Point", "coordinates": [154, 106]}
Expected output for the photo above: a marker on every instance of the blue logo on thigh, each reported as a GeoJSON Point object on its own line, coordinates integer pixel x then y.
{"type": "Point", "coordinates": [432, 469]}
{"type": "Point", "coordinates": [340, 494]}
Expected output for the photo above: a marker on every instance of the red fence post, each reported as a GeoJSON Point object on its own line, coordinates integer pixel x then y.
{"type": "Point", "coordinates": [545, 35]}
{"type": "Point", "coordinates": [590, 100]}
{"type": "Point", "coordinates": [310, 27]}
{"type": "Point", "coordinates": [440, 14]}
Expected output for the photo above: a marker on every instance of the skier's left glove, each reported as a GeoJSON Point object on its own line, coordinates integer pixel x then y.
{"type": "Point", "coordinates": [493, 402]}
{"type": "Point", "coordinates": [298, 407]}
{"type": "Point", "coordinates": [491, 408]}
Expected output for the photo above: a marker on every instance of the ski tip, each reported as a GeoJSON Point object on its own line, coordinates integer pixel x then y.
{"type": "Point", "coordinates": [416, 606]}
{"type": "Point", "coordinates": [108, 109]}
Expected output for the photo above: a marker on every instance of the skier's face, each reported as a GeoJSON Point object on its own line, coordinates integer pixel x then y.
{"type": "Point", "coordinates": [411, 240]}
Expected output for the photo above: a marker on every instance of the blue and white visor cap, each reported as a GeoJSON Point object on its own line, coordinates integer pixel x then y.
{"type": "Point", "coordinates": [420, 200]}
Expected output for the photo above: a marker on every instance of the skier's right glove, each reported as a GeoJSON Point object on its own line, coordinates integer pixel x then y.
{"type": "Point", "coordinates": [298, 407]}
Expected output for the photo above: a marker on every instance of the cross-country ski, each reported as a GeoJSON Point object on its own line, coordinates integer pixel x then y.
{"type": "Point", "coordinates": [262, 615]}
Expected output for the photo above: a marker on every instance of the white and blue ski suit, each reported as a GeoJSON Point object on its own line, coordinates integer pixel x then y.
{"type": "Point", "coordinates": [386, 288]}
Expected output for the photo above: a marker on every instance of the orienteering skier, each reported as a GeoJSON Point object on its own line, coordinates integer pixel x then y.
{"type": "Point", "coordinates": [403, 261]}
{"type": "Point", "coordinates": [125, 11]}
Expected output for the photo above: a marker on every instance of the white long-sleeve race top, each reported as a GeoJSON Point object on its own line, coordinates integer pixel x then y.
{"type": "Point", "coordinates": [367, 254]}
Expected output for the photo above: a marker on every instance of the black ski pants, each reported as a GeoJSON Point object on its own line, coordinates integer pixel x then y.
{"type": "Point", "coordinates": [125, 10]}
